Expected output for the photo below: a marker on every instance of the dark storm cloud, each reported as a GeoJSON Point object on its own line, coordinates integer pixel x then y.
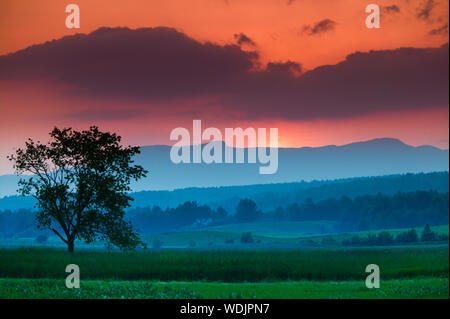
{"type": "Point", "coordinates": [161, 64]}
{"type": "Point", "coordinates": [149, 63]}
{"type": "Point", "coordinates": [320, 27]}
{"type": "Point", "coordinates": [284, 67]}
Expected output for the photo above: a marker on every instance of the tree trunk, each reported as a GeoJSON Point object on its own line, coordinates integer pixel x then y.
{"type": "Point", "coordinates": [71, 246]}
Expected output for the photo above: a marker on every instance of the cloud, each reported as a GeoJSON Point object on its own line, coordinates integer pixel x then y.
{"type": "Point", "coordinates": [241, 39]}
{"type": "Point", "coordinates": [443, 30]}
{"type": "Point", "coordinates": [425, 12]}
{"type": "Point", "coordinates": [391, 9]}
{"type": "Point", "coordinates": [320, 27]}
{"type": "Point", "coordinates": [144, 63]}
{"type": "Point", "coordinates": [288, 67]}
{"type": "Point", "coordinates": [161, 66]}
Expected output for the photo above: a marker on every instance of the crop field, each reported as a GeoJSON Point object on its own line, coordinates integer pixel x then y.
{"type": "Point", "coordinates": [278, 264]}
{"type": "Point", "coordinates": [436, 288]}
{"type": "Point", "coordinates": [241, 273]}
{"type": "Point", "coordinates": [227, 265]}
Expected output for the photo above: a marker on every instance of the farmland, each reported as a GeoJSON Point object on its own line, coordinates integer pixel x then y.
{"type": "Point", "coordinates": [407, 272]}
{"type": "Point", "coordinates": [286, 260]}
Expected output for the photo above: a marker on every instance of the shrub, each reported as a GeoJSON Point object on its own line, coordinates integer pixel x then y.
{"type": "Point", "coordinates": [409, 236]}
{"type": "Point", "coordinates": [247, 238]}
{"type": "Point", "coordinates": [428, 234]}
{"type": "Point", "coordinates": [355, 240]}
{"type": "Point", "coordinates": [371, 240]}
{"type": "Point", "coordinates": [385, 238]}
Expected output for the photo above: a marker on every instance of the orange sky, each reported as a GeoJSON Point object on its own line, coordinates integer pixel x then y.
{"type": "Point", "coordinates": [275, 27]}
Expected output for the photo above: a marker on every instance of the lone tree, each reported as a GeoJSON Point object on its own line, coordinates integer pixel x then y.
{"type": "Point", "coordinates": [247, 211]}
{"type": "Point", "coordinates": [81, 183]}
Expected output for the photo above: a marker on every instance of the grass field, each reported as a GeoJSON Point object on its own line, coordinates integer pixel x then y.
{"type": "Point", "coordinates": [274, 234]}
{"type": "Point", "coordinates": [209, 271]}
{"type": "Point", "coordinates": [227, 265]}
{"type": "Point", "coordinates": [279, 229]}
{"type": "Point", "coordinates": [55, 288]}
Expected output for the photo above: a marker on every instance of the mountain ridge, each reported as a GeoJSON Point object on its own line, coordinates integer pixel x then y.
{"type": "Point", "coordinates": [376, 157]}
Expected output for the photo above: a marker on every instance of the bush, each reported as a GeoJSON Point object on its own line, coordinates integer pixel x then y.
{"type": "Point", "coordinates": [407, 237]}
{"type": "Point", "coordinates": [247, 238]}
{"type": "Point", "coordinates": [355, 240]}
{"type": "Point", "coordinates": [385, 238]}
{"type": "Point", "coordinates": [428, 234]}
{"type": "Point", "coordinates": [371, 240]}
{"type": "Point", "coordinates": [382, 239]}
{"type": "Point", "coordinates": [41, 239]}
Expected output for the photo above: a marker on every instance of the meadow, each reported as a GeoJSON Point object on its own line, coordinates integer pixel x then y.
{"type": "Point", "coordinates": [436, 288]}
{"type": "Point", "coordinates": [243, 265]}
{"type": "Point", "coordinates": [408, 272]}
{"type": "Point", "coordinates": [278, 264]}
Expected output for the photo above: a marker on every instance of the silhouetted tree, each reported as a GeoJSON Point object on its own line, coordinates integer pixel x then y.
{"type": "Point", "coordinates": [428, 234]}
{"type": "Point", "coordinates": [247, 238]}
{"type": "Point", "coordinates": [247, 211]}
{"type": "Point", "coordinates": [81, 183]}
{"type": "Point", "coordinates": [385, 238]}
{"type": "Point", "coordinates": [409, 236]}
{"type": "Point", "coordinates": [221, 213]}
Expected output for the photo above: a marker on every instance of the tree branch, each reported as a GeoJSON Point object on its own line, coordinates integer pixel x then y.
{"type": "Point", "coordinates": [56, 232]}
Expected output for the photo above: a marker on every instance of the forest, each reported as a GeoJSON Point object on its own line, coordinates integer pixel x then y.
{"type": "Point", "coordinates": [361, 213]}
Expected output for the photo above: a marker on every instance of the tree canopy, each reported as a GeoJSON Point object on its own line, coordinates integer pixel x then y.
{"type": "Point", "coordinates": [81, 182]}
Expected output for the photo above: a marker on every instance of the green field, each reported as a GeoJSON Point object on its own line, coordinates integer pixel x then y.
{"type": "Point", "coordinates": [273, 234]}
{"type": "Point", "coordinates": [286, 261]}
{"type": "Point", "coordinates": [55, 288]}
{"type": "Point", "coordinates": [240, 273]}
{"type": "Point", "coordinates": [251, 265]}
{"type": "Point", "coordinates": [267, 233]}
{"type": "Point", "coordinates": [279, 229]}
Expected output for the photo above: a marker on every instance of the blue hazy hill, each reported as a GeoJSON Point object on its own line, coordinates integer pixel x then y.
{"type": "Point", "coordinates": [372, 158]}
{"type": "Point", "coordinates": [377, 157]}
{"type": "Point", "coordinates": [316, 173]}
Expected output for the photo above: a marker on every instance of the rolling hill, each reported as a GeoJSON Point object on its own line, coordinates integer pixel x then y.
{"type": "Point", "coordinates": [370, 158]}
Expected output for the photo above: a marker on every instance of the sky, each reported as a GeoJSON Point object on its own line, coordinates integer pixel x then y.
{"type": "Point", "coordinates": [141, 68]}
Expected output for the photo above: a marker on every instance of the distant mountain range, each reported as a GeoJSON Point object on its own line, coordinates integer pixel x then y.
{"type": "Point", "coordinates": [376, 157]}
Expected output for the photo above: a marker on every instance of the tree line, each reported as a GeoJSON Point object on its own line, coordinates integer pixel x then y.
{"type": "Point", "coordinates": [368, 212]}
{"type": "Point", "coordinates": [385, 238]}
